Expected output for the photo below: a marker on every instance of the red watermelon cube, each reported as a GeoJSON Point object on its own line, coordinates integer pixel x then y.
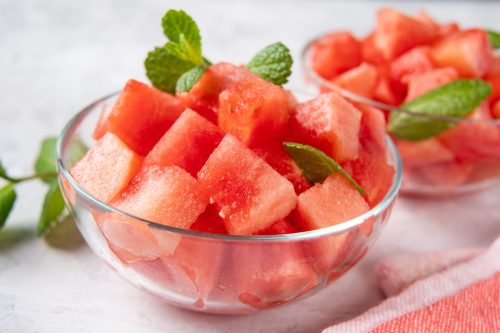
{"type": "Point", "coordinates": [250, 194]}
{"type": "Point", "coordinates": [371, 54]}
{"type": "Point", "coordinates": [494, 67]}
{"type": "Point", "coordinates": [420, 84]}
{"type": "Point", "coordinates": [335, 53]}
{"type": "Point", "coordinates": [495, 110]}
{"type": "Point", "coordinates": [468, 51]}
{"type": "Point", "coordinates": [279, 227]}
{"type": "Point", "coordinates": [187, 144]}
{"type": "Point", "coordinates": [253, 111]}
{"type": "Point", "coordinates": [447, 174]}
{"type": "Point", "coordinates": [142, 114]}
{"type": "Point", "coordinates": [360, 80]}
{"type": "Point", "coordinates": [415, 61]}
{"type": "Point", "coordinates": [330, 123]}
{"type": "Point", "coordinates": [106, 168]}
{"type": "Point", "coordinates": [165, 195]}
{"type": "Point", "coordinates": [397, 33]}
{"type": "Point", "coordinates": [426, 152]}
{"type": "Point", "coordinates": [210, 221]}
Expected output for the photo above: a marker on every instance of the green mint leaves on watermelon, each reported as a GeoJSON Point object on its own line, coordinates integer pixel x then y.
{"type": "Point", "coordinates": [189, 79]}
{"type": "Point", "coordinates": [456, 99]}
{"type": "Point", "coordinates": [184, 36]}
{"type": "Point", "coordinates": [494, 37]}
{"type": "Point", "coordinates": [316, 165]}
{"type": "Point", "coordinates": [273, 63]}
{"type": "Point", "coordinates": [46, 171]}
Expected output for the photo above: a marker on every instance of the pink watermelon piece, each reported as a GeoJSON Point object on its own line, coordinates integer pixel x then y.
{"type": "Point", "coordinates": [254, 111]}
{"type": "Point", "coordinates": [447, 174]}
{"type": "Point", "coordinates": [335, 53]}
{"type": "Point", "coordinates": [187, 144]}
{"type": "Point", "coordinates": [330, 123]}
{"type": "Point", "coordinates": [106, 168]}
{"type": "Point", "coordinates": [250, 194]}
{"type": "Point", "coordinates": [424, 17]}
{"type": "Point", "coordinates": [468, 51]}
{"type": "Point", "coordinates": [276, 156]}
{"type": "Point", "coordinates": [165, 195]}
{"type": "Point", "coordinates": [102, 123]}
{"type": "Point", "coordinates": [360, 80]}
{"type": "Point", "coordinates": [371, 54]}
{"type": "Point", "coordinates": [414, 61]}
{"type": "Point", "coordinates": [420, 84]}
{"type": "Point", "coordinates": [279, 227]}
{"type": "Point", "coordinates": [397, 33]}
{"type": "Point", "coordinates": [204, 96]}
{"type": "Point", "coordinates": [422, 153]}
{"type": "Point", "coordinates": [494, 69]}
{"type": "Point", "coordinates": [495, 110]}
{"type": "Point", "coordinates": [142, 114]}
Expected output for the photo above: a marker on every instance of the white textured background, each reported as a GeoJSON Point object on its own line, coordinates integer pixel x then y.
{"type": "Point", "coordinates": [56, 56]}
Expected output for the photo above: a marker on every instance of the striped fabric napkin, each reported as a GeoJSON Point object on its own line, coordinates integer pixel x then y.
{"type": "Point", "coordinates": [452, 291]}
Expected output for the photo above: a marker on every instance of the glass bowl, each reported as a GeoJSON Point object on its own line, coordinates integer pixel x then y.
{"type": "Point", "coordinates": [211, 272]}
{"type": "Point", "coordinates": [464, 158]}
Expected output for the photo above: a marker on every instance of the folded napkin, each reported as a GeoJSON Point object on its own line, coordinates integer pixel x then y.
{"type": "Point", "coordinates": [453, 291]}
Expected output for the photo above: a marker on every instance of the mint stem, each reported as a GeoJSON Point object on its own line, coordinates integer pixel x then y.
{"type": "Point", "coordinates": [42, 176]}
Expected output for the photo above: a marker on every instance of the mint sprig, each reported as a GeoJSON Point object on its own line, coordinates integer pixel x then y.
{"type": "Point", "coordinates": [273, 63]}
{"type": "Point", "coordinates": [456, 99]}
{"type": "Point", "coordinates": [494, 38]}
{"type": "Point", "coordinates": [316, 165]}
{"type": "Point", "coordinates": [46, 171]}
{"type": "Point", "coordinates": [179, 64]}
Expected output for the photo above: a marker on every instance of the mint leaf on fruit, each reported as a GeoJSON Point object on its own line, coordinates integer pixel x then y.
{"type": "Point", "coordinates": [7, 199]}
{"type": "Point", "coordinates": [273, 63]}
{"type": "Point", "coordinates": [316, 165]}
{"type": "Point", "coordinates": [46, 162]}
{"type": "Point", "coordinates": [456, 99]}
{"type": "Point", "coordinates": [184, 36]}
{"type": "Point", "coordinates": [164, 69]}
{"type": "Point", "coordinates": [494, 38]}
{"type": "Point", "coordinates": [189, 79]}
{"type": "Point", "coordinates": [53, 206]}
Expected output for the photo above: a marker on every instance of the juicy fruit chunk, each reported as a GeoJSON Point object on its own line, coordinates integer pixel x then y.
{"type": "Point", "coordinates": [469, 52]}
{"type": "Point", "coordinates": [210, 221]}
{"type": "Point", "coordinates": [415, 61]}
{"type": "Point", "coordinates": [166, 195]}
{"type": "Point", "coordinates": [335, 53]}
{"type": "Point", "coordinates": [419, 84]}
{"type": "Point", "coordinates": [276, 156]}
{"type": "Point", "coordinates": [102, 123]}
{"type": "Point", "coordinates": [397, 33]}
{"type": "Point", "coordinates": [329, 123]}
{"type": "Point", "coordinates": [187, 144]}
{"type": "Point", "coordinates": [204, 96]}
{"type": "Point", "coordinates": [446, 174]}
{"type": "Point", "coordinates": [250, 194]}
{"type": "Point", "coordinates": [335, 201]}
{"type": "Point", "coordinates": [280, 227]}
{"type": "Point", "coordinates": [360, 80]}
{"type": "Point", "coordinates": [142, 114]}
{"type": "Point", "coordinates": [426, 152]}
{"type": "Point", "coordinates": [254, 111]}
{"type": "Point", "coordinates": [106, 168]}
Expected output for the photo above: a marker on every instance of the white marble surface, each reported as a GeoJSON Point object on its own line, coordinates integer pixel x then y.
{"type": "Point", "coordinates": [56, 56]}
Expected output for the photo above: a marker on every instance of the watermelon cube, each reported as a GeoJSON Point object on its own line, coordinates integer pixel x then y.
{"type": "Point", "coordinates": [332, 202]}
{"type": "Point", "coordinates": [468, 51]}
{"type": "Point", "coordinates": [187, 144]}
{"type": "Point", "coordinates": [250, 194]}
{"type": "Point", "coordinates": [335, 53]}
{"type": "Point", "coordinates": [107, 168]}
{"type": "Point", "coordinates": [448, 29]}
{"type": "Point", "coordinates": [102, 123]}
{"type": "Point", "coordinates": [210, 221]}
{"type": "Point", "coordinates": [279, 227]}
{"type": "Point", "coordinates": [204, 95]}
{"type": "Point", "coordinates": [276, 156]}
{"type": "Point", "coordinates": [424, 17]}
{"type": "Point", "coordinates": [397, 33]}
{"type": "Point", "coordinates": [142, 114]}
{"type": "Point", "coordinates": [254, 111]}
{"type": "Point", "coordinates": [495, 110]}
{"type": "Point", "coordinates": [426, 152]}
{"type": "Point", "coordinates": [165, 195]}
{"type": "Point", "coordinates": [330, 123]}
{"type": "Point", "coordinates": [447, 174]}
{"type": "Point", "coordinates": [494, 67]}
{"type": "Point", "coordinates": [495, 86]}
{"type": "Point", "coordinates": [360, 80]}
{"type": "Point", "coordinates": [371, 54]}
{"type": "Point", "coordinates": [420, 84]}
{"type": "Point", "coordinates": [415, 61]}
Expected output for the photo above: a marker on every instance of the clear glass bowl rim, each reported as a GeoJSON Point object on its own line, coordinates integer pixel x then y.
{"type": "Point", "coordinates": [321, 82]}
{"type": "Point", "coordinates": [74, 122]}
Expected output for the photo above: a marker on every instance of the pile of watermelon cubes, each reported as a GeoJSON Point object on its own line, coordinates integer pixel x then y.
{"type": "Point", "coordinates": [212, 160]}
{"type": "Point", "coordinates": [405, 57]}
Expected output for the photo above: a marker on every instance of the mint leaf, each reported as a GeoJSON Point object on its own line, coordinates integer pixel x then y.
{"type": "Point", "coordinates": [316, 165]}
{"type": "Point", "coordinates": [46, 160]}
{"type": "Point", "coordinates": [7, 199]}
{"type": "Point", "coordinates": [184, 36]}
{"type": "Point", "coordinates": [494, 38]}
{"type": "Point", "coordinates": [3, 172]}
{"type": "Point", "coordinates": [456, 99]}
{"type": "Point", "coordinates": [164, 70]}
{"type": "Point", "coordinates": [189, 79]}
{"type": "Point", "coordinates": [273, 63]}
{"type": "Point", "coordinates": [53, 206]}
